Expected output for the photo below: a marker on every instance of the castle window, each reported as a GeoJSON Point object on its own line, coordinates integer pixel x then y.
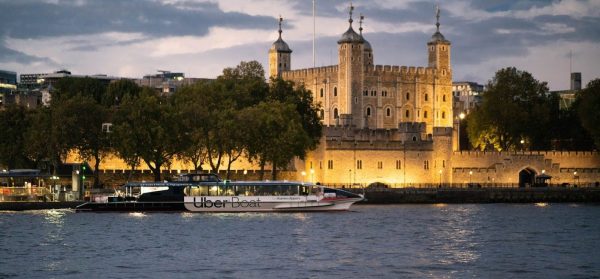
{"type": "Point", "coordinates": [368, 112]}
{"type": "Point", "coordinates": [443, 163]}
{"type": "Point", "coordinates": [407, 114]}
{"type": "Point", "coordinates": [414, 138]}
{"type": "Point", "coordinates": [359, 164]}
{"type": "Point", "coordinates": [373, 93]}
{"type": "Point", "coordinates": [321, 92]}
{"type": "Point", "coordinates": [335, 113]}
{"type": "Point", "coordinates": [330, 164]}
{"type": "Point", "coordinates": [279, 65]}
{"type": "Point", "coordinates": [320, 165]}
{"type": "Point", "coordinates": [335, 91]}
{"type": "Point", "coordinates": [426, 97]}
{"type": "Point", "coordinates": [398, 164]}
{"type": "Point", "coordinates": [426, 165]}
{"type": "Point", "coordinates": [388, 112]}
{"type": "Point", "coordinates": [284, 65]}
{"type": "Point", "coordinates": [365, 92]}
{"type": "Point", "coordinates": [443, 115]}
{"type": "Point", "coordinates": [380, 165]}
{"type": "Point", "coordinates": [444, 98]}
{"type": "Point", "coordinates": [407, 96]}
{"type": "Point", "coordinates": [425, 114]}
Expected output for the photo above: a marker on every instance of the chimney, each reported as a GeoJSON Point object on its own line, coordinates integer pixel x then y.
{"type": "Point", "coordinates": [575, 81]}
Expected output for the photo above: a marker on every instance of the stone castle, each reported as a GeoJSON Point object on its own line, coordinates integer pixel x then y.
{"type": "Point", "coordinates": [395, 124]}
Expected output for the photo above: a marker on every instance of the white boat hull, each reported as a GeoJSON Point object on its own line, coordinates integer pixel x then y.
{"type": "Point", "coordinates": [265, 204]}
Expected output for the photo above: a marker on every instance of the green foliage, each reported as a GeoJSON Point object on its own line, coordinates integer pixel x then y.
{"type": "Point", "coordinates": [14, 121]}
{"type": "Point", "coordinates": [516, 107]}
{"type": "Point", "coordinates": [146, 128]}
{"type": "Point", "coordinates": [69, 87]}
{"type": "Point", "coordinates": [589, 109]}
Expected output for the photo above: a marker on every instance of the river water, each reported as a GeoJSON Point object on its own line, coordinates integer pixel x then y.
{"type": "Point", "coordinates": [392, 241]}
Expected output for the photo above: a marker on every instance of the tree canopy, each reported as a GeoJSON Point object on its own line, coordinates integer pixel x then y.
{"type": "Point", "coordinates": [517, 113]}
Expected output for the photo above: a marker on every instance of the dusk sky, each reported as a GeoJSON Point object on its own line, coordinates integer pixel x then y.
{"type": "Point", "coordinates": [200, 38]}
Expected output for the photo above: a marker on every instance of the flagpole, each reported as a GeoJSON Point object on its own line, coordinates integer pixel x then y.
{"type": "Point", "coordinates": [314, 31]}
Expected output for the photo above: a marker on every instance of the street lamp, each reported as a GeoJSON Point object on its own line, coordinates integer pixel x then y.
{"type": "Point", "coordinates": [303, 175]}
{"type": "Point", "coordinates": [245, 173]}
{"type": "Point", "coordinates": [575, 178]}
{"type": "Point", "coordinates": [470, 176]}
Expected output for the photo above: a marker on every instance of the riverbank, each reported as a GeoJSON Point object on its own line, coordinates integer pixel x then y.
{"type": "Point", "coordinates": [480, 195]}
{"type": "Point", "coordinates": [21, 206]}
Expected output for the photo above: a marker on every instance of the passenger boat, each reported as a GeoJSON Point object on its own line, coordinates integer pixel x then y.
{"type": "Point", "coordinates": [208, 193]}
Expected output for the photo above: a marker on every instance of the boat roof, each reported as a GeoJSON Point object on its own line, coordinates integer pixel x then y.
{"type": "Point", "coordinates": [210, 183]}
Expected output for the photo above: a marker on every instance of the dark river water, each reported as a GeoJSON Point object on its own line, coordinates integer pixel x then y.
{"type": "Point", "coordinates": [393, 241]}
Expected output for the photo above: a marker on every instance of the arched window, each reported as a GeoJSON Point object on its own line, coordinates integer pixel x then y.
{"type": "Point", "coordinates": [368, 111]}
{"type": "Point", "coordinates": [335, 113]}
{"type": "Point", "coordinates": [321, 92]}
{"type": "Point", "coordinates": [443, 115]}
{"type": "Point", "coordinates": [443, 98]}
{"type": "Point", "coordinates": [335, 91]}
{"type": "Point", "coordinates": [407, 96]}
{"type": "Point", "coordinates": [426, 97]}
{"type": "Point", "coordinates": [407, 114]}
{"type": "Point", "coordinates": [425, 114]}
{"type": "Point", "coordinates": [388, 112]}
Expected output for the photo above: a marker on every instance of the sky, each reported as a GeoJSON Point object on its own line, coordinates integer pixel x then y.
{"type": "Point", "coordinates": [200, 38]}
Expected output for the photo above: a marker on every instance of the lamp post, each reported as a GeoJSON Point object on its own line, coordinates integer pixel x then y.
{"type": "Point", "coordinates": [312, 176]}
{"type": "Point", "coordinates": [303, 175]}
{"type": "Point", "coordinates": [461, 116]}
{"type": "Point", "coordinates": [440, 177]}
{"type": "Point", "coordinates": [575, 178]}
{"type": "Point", "coordinates": [470, 176]}
{"type": "Point", "coordinates": [245, 173]}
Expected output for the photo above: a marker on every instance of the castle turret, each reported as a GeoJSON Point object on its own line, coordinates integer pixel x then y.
{"type": "Point", "coordinates": [439, 48]}
{"type": "Point", "coordinates": [350, 71]}
{"type": "Point", "coordinates": [280, 56]}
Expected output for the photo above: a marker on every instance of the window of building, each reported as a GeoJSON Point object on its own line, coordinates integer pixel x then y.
{"type": "Point", "coordinates": [398, 164]}
{"type": "Point", "coordinates": [407, 113]}
{"type": "Point", "coordinates": [356, 100]}
{"type": "Point", "coordinates": [384, 93]}
{"type": "Point", "coordinates": [426, 165]}
{"type": "Point", "coordinates": [443, 115]}
{"type": "Point", "coordinates": [330, 164]}
{"type": "Point", "coordinates": [321, 165]}
{"type": "Point", "coordinates": [388, 112]}
{"type": "Point", "coordinates": [335, 113]}
{"type": "Point", "coordinates": [443, 98]}
{"type": "Point", "coordinates": [321, 92]}
{"type": "Point", "coordinates": [443, 163]}
{"type": "Point", "coordinates": [379, 165]}
{"type": "Point", "coordinates": [425, 114]}
{"type": "Point", "coordinates": [335, 91]}
{"type": "Point", "coordinates": [414, 138]}
{"type": "Point", "coordinates": [359, 164]}
{"type": "Point", "coordinates": [365, 92]}
{"type": "Point", "coordinates": [407, 96]}
{"type": "Point", "coordinates": [373, 93]}
{"type": "Point", "coordinates": [426, 97]}
{"type": "Point", "coordinates": [368, 112]}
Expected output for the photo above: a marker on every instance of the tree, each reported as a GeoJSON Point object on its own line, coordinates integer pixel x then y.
{"type": "Point", "coordinates": [589, 109]}
{"type": "Point", "coordinates": [146, 128]}
{"type": "Point", "coordinates": [13, 124]}
{"type": "Point", "coordinates": [275, 132]}
{"type": "Point", "coordinates": [43, 138]}
{"type": "Point", "coordinates": [82, 118]}
{"type": "Point", "coordinates": [516, 108]}
{"type": "Point", "coordinates": [69, 87]}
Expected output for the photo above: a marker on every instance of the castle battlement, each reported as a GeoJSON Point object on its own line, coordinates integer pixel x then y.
{"type": "Point", "coordinates": [410, 70]}
{"type": "Point", "coordinates": [300, 73]}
